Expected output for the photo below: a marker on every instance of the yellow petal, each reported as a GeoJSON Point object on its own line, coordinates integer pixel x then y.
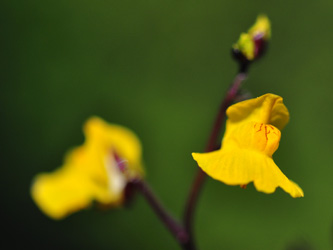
{"type": "Point", "coordinates": [61, 193]}
{"type": "Point", "coordinates": [260, 137]}
{"type": "Point", "coordinates": [239, 167]}
{"type": "Point", "coordinates": [246, 46]}
{"type": "Point", "coordinates": [102, 137]}
{"type": "Point", "coordinates": [262, 27]}
{"type": "Point", "coordinates": [71, 188]}
{"type": "Point", "coordinates": [268, 109]}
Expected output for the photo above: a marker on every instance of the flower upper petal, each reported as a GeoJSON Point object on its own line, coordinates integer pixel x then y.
{"type": "Point", "coordinates": [103, 136]}
{"type": "Point", "coordinates": [268, 109]}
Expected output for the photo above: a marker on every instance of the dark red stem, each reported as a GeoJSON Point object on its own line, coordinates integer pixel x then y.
{"type": "Point", "coordinates": [211, 145]}
{"type": "Point", "coordinates": [174, 226]}
{"type": "Point", "coordinates": [184, 235]}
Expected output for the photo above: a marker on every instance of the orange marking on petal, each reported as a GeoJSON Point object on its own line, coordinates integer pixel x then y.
{"type": "Point", "coordinates": [260, 128]}
{"type": "Point", "coordinates": [266, 134]}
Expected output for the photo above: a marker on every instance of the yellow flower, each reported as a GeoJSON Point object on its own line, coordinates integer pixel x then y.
{"type": "Point", "coordinates": [252, 136]}
{"type": "Point", "coordinates": [96, 171]}
{"type": "Point", "coordinates": [252, 43]}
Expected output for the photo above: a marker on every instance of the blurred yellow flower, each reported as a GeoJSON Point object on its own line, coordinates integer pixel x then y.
{"type": "Point", "coordinates": [251, 44]}
{"type": "Point", "coordinates": [96, 171]}
{"type": "Point", "coordinates": [252, 136]}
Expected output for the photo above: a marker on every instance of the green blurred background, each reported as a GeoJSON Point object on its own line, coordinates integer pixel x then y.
{"type": "Point", "coordinates": [161, 69]}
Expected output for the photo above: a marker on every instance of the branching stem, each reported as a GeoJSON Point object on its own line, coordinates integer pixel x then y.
{"type": "Point", "coordinates": [184, 233]}
{"type": "Point", "coordinates": [176, 229]}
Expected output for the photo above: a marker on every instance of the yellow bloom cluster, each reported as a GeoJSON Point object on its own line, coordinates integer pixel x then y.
{"type": "Point", "coordinates": [252, 136]}
{"type": "Point", "coordinates": [96, 171]}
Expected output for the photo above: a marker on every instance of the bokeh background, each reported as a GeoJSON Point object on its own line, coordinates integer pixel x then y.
{"type": "Point", "coordinates": [161, 69]}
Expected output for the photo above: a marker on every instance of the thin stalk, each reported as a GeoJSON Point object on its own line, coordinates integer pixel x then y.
{"type": "Point", "coordinates": [173, 226]}
{"type": "Point", "coordinates": [211, 145]}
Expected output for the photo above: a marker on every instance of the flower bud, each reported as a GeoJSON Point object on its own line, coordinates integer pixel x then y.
{"type": "Point", "coordinates": [252, 45]}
